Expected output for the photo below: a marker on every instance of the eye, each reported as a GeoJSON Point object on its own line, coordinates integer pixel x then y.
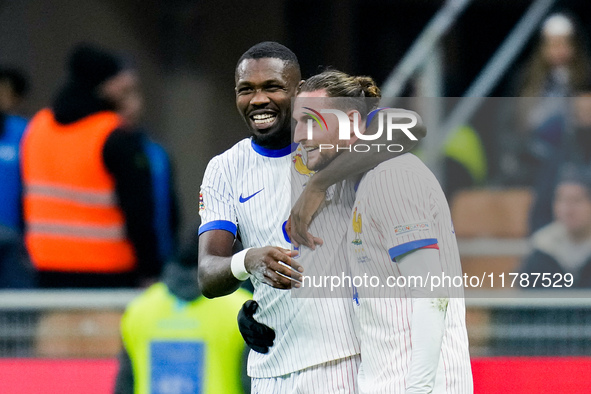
{"type": "Point", "coordinates": [244, 90]}
{"type": "Point", "coordinates": [275, 88]}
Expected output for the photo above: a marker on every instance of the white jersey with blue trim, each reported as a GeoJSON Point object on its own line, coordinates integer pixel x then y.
{"type": "Point", "coordinates": [247, 190]}
{"type": "Point", "coordinates": [400, 207]}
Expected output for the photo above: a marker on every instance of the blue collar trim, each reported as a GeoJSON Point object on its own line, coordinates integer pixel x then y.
{"type": "Point", "coordinates": [273, 152]}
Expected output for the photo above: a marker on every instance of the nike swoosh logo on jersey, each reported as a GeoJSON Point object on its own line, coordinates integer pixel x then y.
{"type": "Point", "coordinates": [245, 199]}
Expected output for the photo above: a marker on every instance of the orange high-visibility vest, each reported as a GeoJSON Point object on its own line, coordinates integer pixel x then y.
{"type": "Point", "coordinates": [73, 222]}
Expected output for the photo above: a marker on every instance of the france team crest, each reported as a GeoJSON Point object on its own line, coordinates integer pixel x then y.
{"type": "Point", "coordinates": [358, 249]}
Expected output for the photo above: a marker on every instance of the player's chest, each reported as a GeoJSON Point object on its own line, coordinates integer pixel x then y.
{"type": "Point", "coordinates": [262, 193]}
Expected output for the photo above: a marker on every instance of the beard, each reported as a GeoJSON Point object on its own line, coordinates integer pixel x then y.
{"type": "Point", "coordinates": [274, 139]}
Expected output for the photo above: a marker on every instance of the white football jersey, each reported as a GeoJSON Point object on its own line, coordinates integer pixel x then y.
{"type": "Point", "coordinates": [248, 190]}
{"type": "Point", "coordinates": [400, 207]}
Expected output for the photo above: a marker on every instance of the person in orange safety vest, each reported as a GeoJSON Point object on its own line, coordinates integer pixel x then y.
{"type": "Point", "coordinates": [88, 205]}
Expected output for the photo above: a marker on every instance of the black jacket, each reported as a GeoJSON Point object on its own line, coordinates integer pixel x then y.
{"type": "Point", "coordinates": [545, 258]}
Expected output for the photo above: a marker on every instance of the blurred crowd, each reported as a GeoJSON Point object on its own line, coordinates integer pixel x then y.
{"type": "Point", "coordinates": [542, 141]}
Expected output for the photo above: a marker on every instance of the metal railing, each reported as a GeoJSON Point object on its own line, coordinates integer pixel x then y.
{"type": "Point", "coordinates": [65, 324]}
{"type": "Point", "coordinates": [62, 323]}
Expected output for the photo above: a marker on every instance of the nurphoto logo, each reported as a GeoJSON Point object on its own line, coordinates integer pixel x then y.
{"type": "Point", "coordinates": [388, 120]}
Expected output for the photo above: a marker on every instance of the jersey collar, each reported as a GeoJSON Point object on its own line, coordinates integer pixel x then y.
{"type": "Point", "coordinates": [273, 152]}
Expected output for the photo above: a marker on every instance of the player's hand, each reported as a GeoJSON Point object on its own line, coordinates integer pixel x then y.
{"type": "Point", "coordinates": [301, 216]}
{"type": "Point", "coordinates": [257, 336]}
{"type": "Point", "coordinates": [274, 266]}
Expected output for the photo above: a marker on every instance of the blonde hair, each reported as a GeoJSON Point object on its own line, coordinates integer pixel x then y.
{"type": "Point", "coordinates": [339, 84]}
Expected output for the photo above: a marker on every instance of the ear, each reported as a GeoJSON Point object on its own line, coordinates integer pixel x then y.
{"type": "Point", "coordinates": [299, 86]}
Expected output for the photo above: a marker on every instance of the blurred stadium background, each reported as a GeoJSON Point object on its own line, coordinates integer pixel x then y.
{"type": "Point", "coordinates": [185, 50]}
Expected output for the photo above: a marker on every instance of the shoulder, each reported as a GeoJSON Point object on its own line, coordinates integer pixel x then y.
{"type": "Point", "coordinates": [404, 164]}
{"type": "Point", "coordinates": [230, 156]}
{"type": "Point", "coordinates": [405, 169]}
{"type": "Point", "coordinates": [228, 162]}
{"type": "Point", "coordinates": [540, 261]}
{"type": "Point", "coordinates": [239, 149]}
{"type": "Point", "coordinates": [13, 128]}
{"type": "Point", "coordinates": [142, 310]}
{"type": "Point", "coordinates": [16, 122]}
{"type": "Point", "coordinates": [548, 237]}
{"type": "Point", "coordinates": [147, 299]}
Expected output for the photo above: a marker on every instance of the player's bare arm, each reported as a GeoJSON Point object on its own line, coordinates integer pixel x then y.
{"type": "Point", "coordinates": [271, 265]}
{"type": "Point", "coordinates": [215, 254]}
{"type": "Point", "coordinates": [346, 165]}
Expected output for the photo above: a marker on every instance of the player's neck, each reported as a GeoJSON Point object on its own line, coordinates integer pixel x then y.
{"type": "Point", "coordinates": [270, 152]}
{"type": "Point", "coordinates": [275, 143]}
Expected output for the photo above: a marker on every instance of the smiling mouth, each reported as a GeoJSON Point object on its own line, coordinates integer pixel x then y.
{"type": "Point", "coordinates": [263, 119]}
{"type": "Point", "coordinates": [310, 148]}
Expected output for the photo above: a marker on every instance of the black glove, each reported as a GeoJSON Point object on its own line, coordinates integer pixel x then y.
{"type": "Point", "coordinates": [257, 336]}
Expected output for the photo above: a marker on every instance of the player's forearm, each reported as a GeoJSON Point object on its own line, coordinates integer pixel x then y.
{"type": "Point", "coordinates": [215, 276]}
{"type": "Point", "coordinates": [429, 307]}
{"type": "Point", "coordinates": [427, 328]}
{"type": "Point", "coordinates": [350, 163]}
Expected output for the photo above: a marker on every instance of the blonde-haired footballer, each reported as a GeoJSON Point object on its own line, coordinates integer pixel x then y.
{"type": "Point", "coordinates": [413, 340]}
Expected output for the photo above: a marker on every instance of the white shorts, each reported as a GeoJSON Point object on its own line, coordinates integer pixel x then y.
{"type": "Point", "coordinates": [334, 377]}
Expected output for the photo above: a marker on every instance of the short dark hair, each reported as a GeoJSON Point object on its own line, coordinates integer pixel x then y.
{"type": "Point", "coordinates": [270, 49]}
{"type": "Point", "coordinates": [577, 174]}
{"type": "Point", "coordinates": [16, 78]}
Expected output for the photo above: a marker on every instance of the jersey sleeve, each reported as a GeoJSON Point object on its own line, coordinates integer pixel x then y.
{"type": "Point", "coordinates": [401, 207]}
{"type": "Point", "coordinates": [216, 200]}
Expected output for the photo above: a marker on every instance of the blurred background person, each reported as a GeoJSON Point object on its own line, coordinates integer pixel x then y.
{"type": "Point", "coordinates": [559, 67]}
{"type": "Point", "coordinates": [564, 246]}
{"type": "Point", "coordinates": [166, 208]}
{"type": "Point", "coordinates": [575, 149]}
{"type": "Point", "coordinates": [88, 199]}
{"type": "Point", "coordinates": [15, 269]}
{"type": "Point", "coordinates": [465, 163]}
{"type": "Point", "coordinates": [177, 341]}
{"type": "Point", "coordinates": [14, 86]}
{"type": "Point", "coordinates": [560, 64]}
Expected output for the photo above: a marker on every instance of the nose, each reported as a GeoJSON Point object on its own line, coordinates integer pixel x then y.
{"type": "Point", "coordinates": [259, 98]}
